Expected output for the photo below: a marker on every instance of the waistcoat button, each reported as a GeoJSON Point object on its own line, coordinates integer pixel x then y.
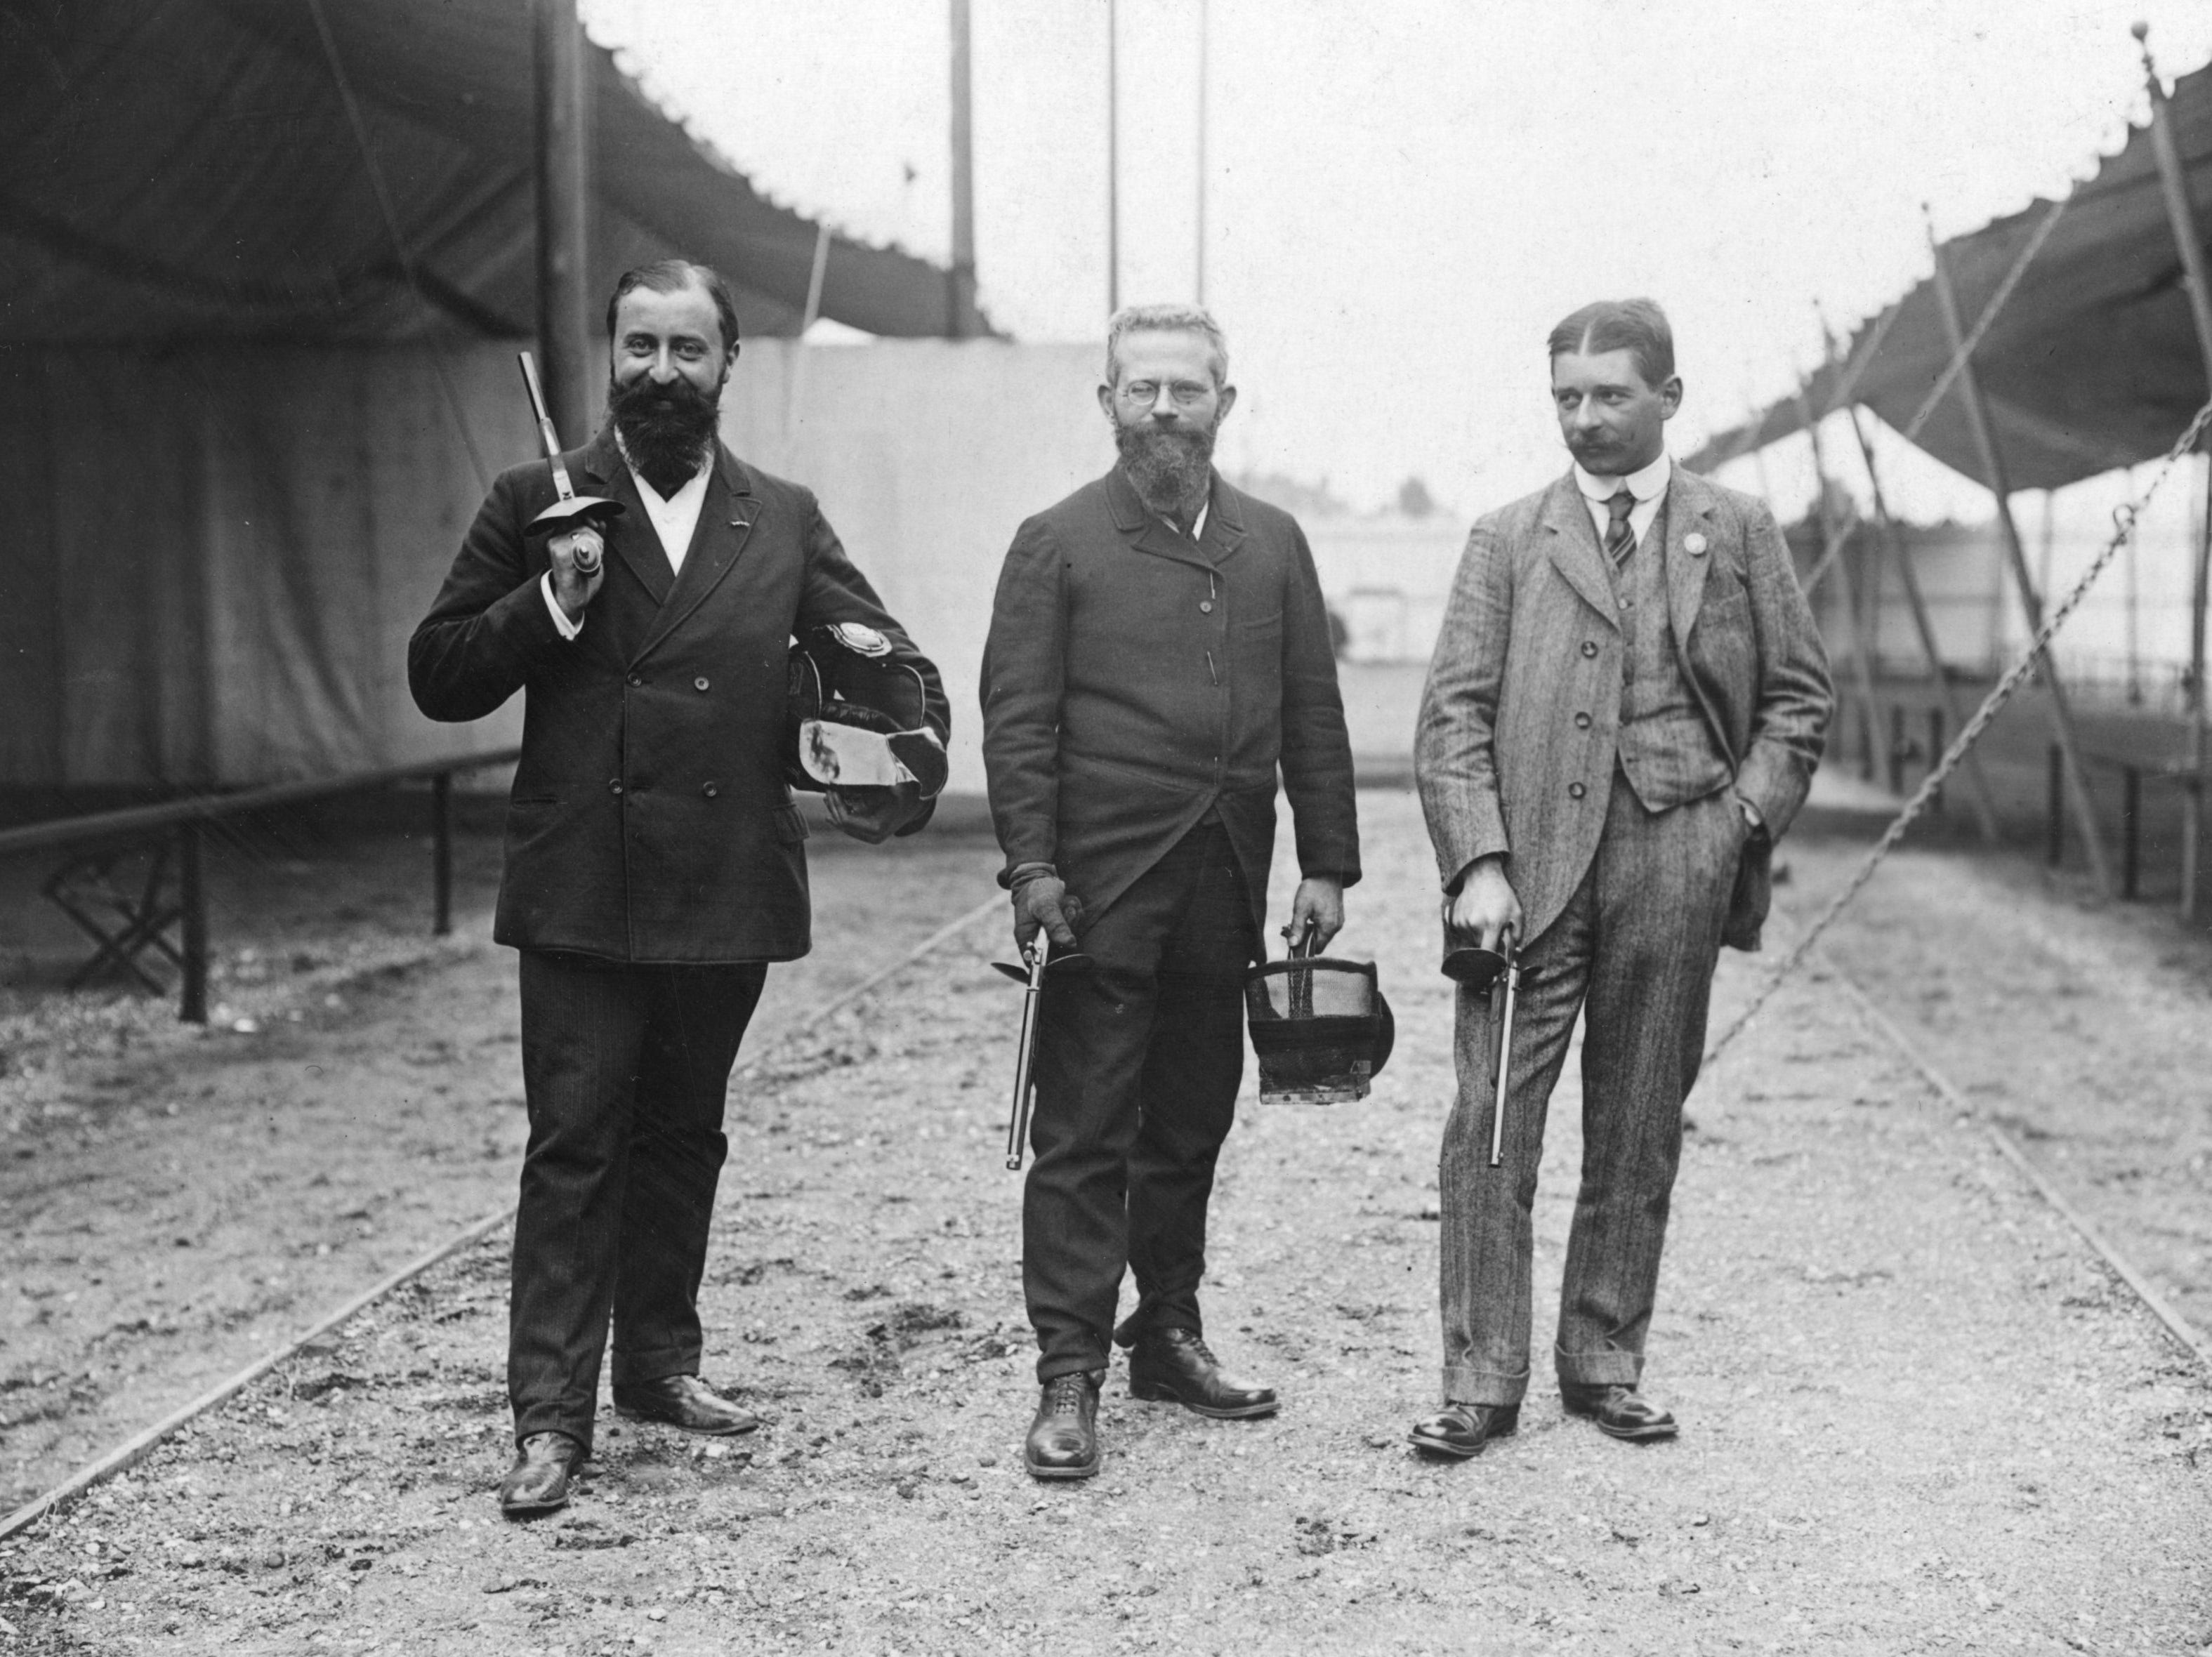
{"type": "Point", "coordinates": [1589, 647]}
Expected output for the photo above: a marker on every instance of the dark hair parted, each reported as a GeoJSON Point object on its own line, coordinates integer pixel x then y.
{"type": "Point", "coordinates": [668, 276]}
{"type": "Point", "coordinates": [1637, 325]}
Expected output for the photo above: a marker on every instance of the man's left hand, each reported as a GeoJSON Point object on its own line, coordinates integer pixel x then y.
{"type": "Point", "coordinates": [873, 815]}
{"type": "Point", "coordinates": [1320, 902]}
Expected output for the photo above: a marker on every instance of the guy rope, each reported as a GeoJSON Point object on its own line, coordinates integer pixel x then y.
{"type": "Point", "coordinates": [2124, 529]}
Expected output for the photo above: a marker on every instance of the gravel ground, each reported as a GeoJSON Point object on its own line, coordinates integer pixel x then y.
{"type": "Point", "coordinates": [1918, 1414]}
{"type": "Point", "coordinates": [2083, 1028]}
{"type": "Point", "coordinates": [177, 1200]}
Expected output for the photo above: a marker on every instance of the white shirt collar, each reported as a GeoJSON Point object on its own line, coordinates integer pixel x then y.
{"type": "Point", "coordinates": [1646, 484]}
{"type": "Point", "coordinates": [1197, 524]}
{"type": "Point", "coordinates": [675, 517]}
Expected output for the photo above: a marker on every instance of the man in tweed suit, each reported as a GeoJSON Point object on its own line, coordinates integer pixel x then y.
{"type": "Point", "coordinates": [1623, 712]}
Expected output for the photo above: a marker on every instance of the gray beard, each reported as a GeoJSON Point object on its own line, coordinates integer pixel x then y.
{"type": "Point", "coordinates": [1167, 468]}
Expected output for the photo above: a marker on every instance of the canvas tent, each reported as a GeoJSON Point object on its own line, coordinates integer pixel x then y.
{"type": "Point", "coordinates": [239, 442]}
{"type": "Point", "coordinates": [2092, 363]}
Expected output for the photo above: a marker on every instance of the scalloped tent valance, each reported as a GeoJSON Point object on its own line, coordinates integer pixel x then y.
{"type": "Point", "coordinates": [185, 170]}
{"type": "Point", "coordinates": [2093, 363]}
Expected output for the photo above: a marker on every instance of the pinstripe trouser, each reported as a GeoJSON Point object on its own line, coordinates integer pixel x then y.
{"type": "Point", "coordinates": [1633, 952]}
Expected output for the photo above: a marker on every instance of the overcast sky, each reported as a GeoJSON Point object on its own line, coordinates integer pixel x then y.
{"type": "Point", "coordinates": [1404, 195]}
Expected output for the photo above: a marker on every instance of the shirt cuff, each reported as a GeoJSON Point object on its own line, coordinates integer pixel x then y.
{"type": "Point", "coordinates": [568, 629]}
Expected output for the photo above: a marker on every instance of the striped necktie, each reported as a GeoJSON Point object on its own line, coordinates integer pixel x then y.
{"type": "Point", "coordinates": [1620, 538]}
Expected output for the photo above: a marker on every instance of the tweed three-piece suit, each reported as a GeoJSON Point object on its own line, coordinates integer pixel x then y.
{"type": "Point", "coordinates": [1602, 725]}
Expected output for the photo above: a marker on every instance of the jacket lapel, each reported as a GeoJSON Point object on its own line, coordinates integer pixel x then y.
{"type": "Point", "coordinates": [599, 471]}
{"type": "Point", "coordinates": [1573, 547]}
{"type": "Point", "coordinates": [1224, 521]}
{"type": "Point", "coordinates": [1689, 510]}
{"type": "Point", "coordinates": [726, 520]}
{"type": "Point", "coordinates": [1689, 513]}
{"type": "Point", "coordinates": [1147, 532]}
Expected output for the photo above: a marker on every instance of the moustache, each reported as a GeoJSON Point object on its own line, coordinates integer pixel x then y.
{"type": "Point", "coordinates": [644, 396]}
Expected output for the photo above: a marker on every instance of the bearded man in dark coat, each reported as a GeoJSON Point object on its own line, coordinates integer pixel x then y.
{"type": "Point", "coordinates": [1158, 649]}
{"type": "Point", "coordinates": [654, 861]}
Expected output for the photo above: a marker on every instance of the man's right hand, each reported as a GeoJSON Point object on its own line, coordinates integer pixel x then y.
{"type": "Point", "coordinates": [1485, 908]}
{"type": "Point", "coordinates": [1043, 903]}
{"type": "Point", "coordinates": [572, 590]}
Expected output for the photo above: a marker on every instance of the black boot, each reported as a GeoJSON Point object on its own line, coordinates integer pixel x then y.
{"type": "Point", "coordinates": [1461, 1429]}
{"type": "Point", "coordinates": [1177, 1365]}
{"type": "Point", "coordinates": [1063, 1440]}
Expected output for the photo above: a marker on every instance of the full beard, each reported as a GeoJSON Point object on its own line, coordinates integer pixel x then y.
{"type": "Point", "coordinates": [667, 431]}
{"type": "Point", "coordinates": [1168, 465]}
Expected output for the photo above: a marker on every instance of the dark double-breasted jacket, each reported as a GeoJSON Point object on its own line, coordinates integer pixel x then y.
{"type": "Point", "coordinates": [649, 822]}
{"type": "Point", "coordinates": [1134, 680]}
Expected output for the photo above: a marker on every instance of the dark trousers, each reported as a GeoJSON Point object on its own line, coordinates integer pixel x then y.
{"type": "Point", "coordinates": [625, 1069]}
{"type": "Point", "coordinates": [1633, 953]}
{"type": "Point", "coordinates": [1137, 1068]}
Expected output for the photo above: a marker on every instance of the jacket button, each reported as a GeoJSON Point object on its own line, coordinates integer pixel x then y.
{"type": "Point", "coordinates": [698, 683]}
{"type": "Point", "coordinates": [1575, 791]}
{"type": "Point", "coordinates": [1581, 722]}
{"type": "Point", "coordinates": [1206, 606]}
{"type": "Point", "coordinates": [635, 680]}
{"type": "Point", "coordinates": [614, 786]}
{"type": "Point", "coordinates": [1589, 647]}
{"type": "Point", "coordinates": [708, 788]}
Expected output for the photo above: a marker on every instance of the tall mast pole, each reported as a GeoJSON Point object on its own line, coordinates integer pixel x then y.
{"type": "Point", "coordinates": [2181, 214]}
{"type": "Point", "coordinates": [960, 288]}
{"type": "Point", "coordinates": [1203, 9]}
{"type": "Point", "coordinates": [1113, 162]}
{"type": "Point", "coordinates": [1999, 487]}
{"type": "Point", "coordinates": [563, 198]}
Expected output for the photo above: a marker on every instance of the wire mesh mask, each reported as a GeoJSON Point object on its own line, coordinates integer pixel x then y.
{"type": "Point", "coordinates": [857, 719]}
{"type": "Point", "coordinates": [1320, 1028]}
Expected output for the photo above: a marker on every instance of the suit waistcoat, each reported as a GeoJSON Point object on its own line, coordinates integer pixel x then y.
{"type": "Point", "coordinates": [1665, 744]}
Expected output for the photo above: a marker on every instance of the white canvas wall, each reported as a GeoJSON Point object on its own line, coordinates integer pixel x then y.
{"type": "Point", "coordinates": [927, 455]}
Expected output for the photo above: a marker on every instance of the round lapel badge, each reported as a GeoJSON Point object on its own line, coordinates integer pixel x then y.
{"type": "Point", "coordinates": [1694, 543]}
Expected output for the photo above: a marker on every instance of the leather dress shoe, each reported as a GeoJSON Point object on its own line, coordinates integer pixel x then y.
{"type": "Point", "coordinates": [539, 1481]}
{"type": "Point", "coordinates": [683, 1401]}
{"type": "Point", "coordinates": [1177, 1365]}
{"type": "Point", "coordinates": [1063, 1440]}
{"type": "Point", "coordinates": [1620, 1411]}
{"type": "Point", "coordinates": [1461, 1429]}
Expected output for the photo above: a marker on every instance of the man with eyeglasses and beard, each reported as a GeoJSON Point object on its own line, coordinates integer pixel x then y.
{"type": "Point", "coordinates": [653, 855]}
{"type": "Point", "coordinates": [1158, 647]}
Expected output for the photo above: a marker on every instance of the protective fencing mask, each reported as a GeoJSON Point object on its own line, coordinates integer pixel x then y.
{"type": "Point", "coordinates": [856, 719]}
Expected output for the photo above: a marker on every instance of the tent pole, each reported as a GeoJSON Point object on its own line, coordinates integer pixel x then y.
{"type": "Point", "coordinates": [1985, 439]}
{"type": "Point", "coordinates": [1113, 158]}
{"type": "Point", "coordinates": [1954, 718]}
{"type": "Point", "coordinates": [1986, 813]}
{"type": "Point", "coordinates": [1198, 237]}
{"type": "Point", "coordinates": [960, 280]}
{"type": "Point", "coordinates": [2182, 216]}
{"type": "Point", "coordinates": [564, 190]}
{"type": "Point", "coordinates": [2192, 796]}
{"type": "Point", "coordinates": [1832, 540]}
